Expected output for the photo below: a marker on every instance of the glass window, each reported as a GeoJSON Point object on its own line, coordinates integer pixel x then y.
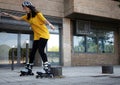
{"type": "Point", "coordinates": [99, 39]}
{"type": "Point", "coordinates": [25, 39]}
{"type": "Point", "coordinates": [53, 43]}
{"type": "Point", "coordinates": [54, 31]}
{"type": "Point", "coordinates": [91, 44]}
{"type": "Point", "coordinates": [53, 49]}
{"type": "Point", "coordinates": [79, 44]}
{"type": "Point", "coordinates": [7, 41]}
{"type": "Point", "coordinates": [106, 42]}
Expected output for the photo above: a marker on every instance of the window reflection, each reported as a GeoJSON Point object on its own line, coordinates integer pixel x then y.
{"type": "Point", "coordinates": [25, 38]}
{"type": "Point", "coordinates": [102, 42]}
{"type": "Point", "coordinates": [106, 42]}
{"type": "Point", "coordinates": [53, 46]}
{"type": "Point", "coordinates": [91, 44]}
{"type": "Point", "coordinates": [53, 43]}
{"type": "Point", "coordinates": [7, 41]}
{"type": "Point", "coordinates": [53, 49]}
{"type": "Point", "coordinates": [79, 44]}
{"type": "Point", "coordinates": [92, 38]}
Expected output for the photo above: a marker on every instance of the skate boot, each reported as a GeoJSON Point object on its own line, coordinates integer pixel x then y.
{"type": "Point", "coordinates": [27, 70]}
{"type": "Point", "coordinates": [47, 73]}
{"type": "Point", "coordinates": [47, 67]}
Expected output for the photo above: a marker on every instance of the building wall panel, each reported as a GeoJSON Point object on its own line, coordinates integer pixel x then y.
{"type": "Point", "coordinates": [47, 7]}
{"type": "Point", "coordinates": [104, 8]}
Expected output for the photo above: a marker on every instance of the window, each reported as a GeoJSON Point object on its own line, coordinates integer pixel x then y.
{"type": "Point", "coordinates": [97, 41]}
{"type": "Point", "coordinates": [106, 42]}
{"type": "Point", "coordinates": [91, 44]}
{"type": "Point", "coordinates": [7, 41]}
{"type": "Point", "coordinates": [25, 39]}
{"type": "Point", "coordinates": [53, 46]}
{"type": "Point", "coordinates": [79, 44]}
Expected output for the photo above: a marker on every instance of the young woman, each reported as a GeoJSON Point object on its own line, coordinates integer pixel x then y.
{"type": "Point", "coordinates": [38, 24]}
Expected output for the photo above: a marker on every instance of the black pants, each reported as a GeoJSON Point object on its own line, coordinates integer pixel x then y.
{"type": "Point", "coordinates": [40, 45]}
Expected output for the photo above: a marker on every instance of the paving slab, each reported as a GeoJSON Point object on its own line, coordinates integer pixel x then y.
{"type": "Point", "coordinates": [87, 75]}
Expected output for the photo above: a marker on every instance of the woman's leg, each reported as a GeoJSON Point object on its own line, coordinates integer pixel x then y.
{"type": "Point", "coordinates": [41, 46]}
{"type": "Point", "coordinates": [33, 51]}
{"type": "Point", "coordinates": [28, 67]}
{"type": "Point", "coordinates": [46, 65]}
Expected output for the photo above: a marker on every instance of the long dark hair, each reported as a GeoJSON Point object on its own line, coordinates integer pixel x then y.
{"type": "Point", "coordinates": [33, 12]}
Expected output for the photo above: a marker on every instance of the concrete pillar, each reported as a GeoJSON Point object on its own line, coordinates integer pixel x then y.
{"type": "Point", "coordinates": [66, 42]}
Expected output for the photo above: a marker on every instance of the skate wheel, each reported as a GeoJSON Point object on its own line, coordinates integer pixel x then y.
{"type": "Point", "coordinates": [37, 76]}
{"type": "Point", "coordinates": [32, 74]}
{"type": "Point", "coordinates": [51, 75]}
{"type": "Point", "coordinates": [41, 77]}
{"type": "Point", "coordinates": [20, 74]}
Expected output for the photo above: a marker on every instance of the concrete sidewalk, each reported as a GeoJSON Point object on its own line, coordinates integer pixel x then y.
{"type": "Point", "coordinates": [90, 75]}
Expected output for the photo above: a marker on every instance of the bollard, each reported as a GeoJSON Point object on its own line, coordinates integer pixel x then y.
{"type": "Point", "coordinates": [57, 71]}
{"type": "Point", "coordinates": [27, 52]}
{"type": "Point", "coordinates": [12, 65]}
{"type": "Point", "coordinates": [107, 69]}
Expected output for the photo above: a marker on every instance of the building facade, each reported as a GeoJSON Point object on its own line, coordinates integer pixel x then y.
{"type": "Point", "coordinates": [87, 32]}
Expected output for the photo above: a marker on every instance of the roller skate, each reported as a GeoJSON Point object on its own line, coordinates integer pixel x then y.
{"type": "Point", "coordinates": [47, 71]}
{"type": "Point", "coordinates": [27, 71]}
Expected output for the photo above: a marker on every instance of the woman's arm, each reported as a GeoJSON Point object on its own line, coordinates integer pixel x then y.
{"type": "Point", "coordinates": [12, 16]}
{"type": "Point", "coordinates": [40, 15]}
{"type": "Point", "coordinates": [47, 22]}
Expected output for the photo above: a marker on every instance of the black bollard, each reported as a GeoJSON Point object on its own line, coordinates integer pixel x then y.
{"type": "Point", "coordinates": [27, 51]}
{"type": "Point", "coordinates": [12, 65]}
{"type": "Point", "coordinates": [57, 71]}
{"type": "Point", "coordinates": [107, 69]}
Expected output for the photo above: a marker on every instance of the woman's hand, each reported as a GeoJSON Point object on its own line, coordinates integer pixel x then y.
{"type": "Point", "coordinates": [6, 14]}
{"type": "Point", "coordinates": [12, 16]}
{"type": "Point", "coordinates": [52, 27]}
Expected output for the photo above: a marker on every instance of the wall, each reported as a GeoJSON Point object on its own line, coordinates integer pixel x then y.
{"type": "Point", "coordinates": [68, 7]}
{"type": "Point", "coordinates": [11, 4]}
{"type": "Point", "coordinates": [80, 59]}
{"type": "Point", "coordinates": [103, 8]}
{"type": "Point", "coordinates": [94, 59]}
{"type": "Point", "coordinates": [47, 7]}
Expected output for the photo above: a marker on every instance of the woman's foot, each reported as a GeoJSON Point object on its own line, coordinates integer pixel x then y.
{"type": "Point", "coordinates": [47, 67]}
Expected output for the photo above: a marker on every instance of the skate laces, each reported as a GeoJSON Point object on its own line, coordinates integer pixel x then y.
{"type": "Point", "coordinates": [25, 69]}
{"type": "Point", "coordinates": [29, 66]}
{"type": "Point", "coordinates": [46, 65]}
